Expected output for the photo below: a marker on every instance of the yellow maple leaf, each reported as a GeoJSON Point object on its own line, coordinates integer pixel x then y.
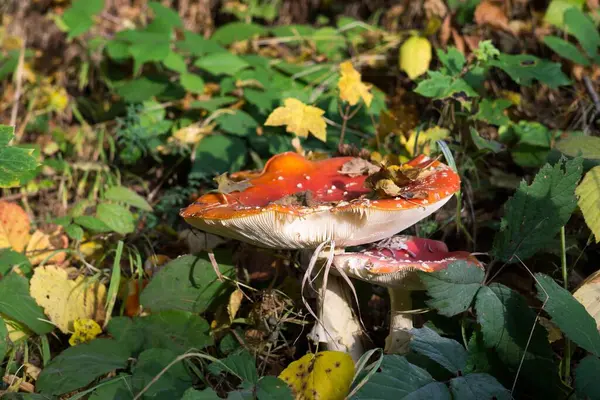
{"type": "Point", "coordinates": [352, 88]}
{"type": "Point", "coordinates": [325, 375]}
{"type": "Point", "coordinates": [299, 118]}
{"type": "Point", "coordinates": [85, 331]}
{"type": "Point", "coordinates": [14, 226]}
{"type": "Point", "coordinates": [415, 56]}
{"type": "Point", "coordinates": [65, 300]}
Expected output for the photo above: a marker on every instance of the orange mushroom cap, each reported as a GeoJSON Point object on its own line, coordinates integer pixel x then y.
{"type": "Point", "coordinates": [392, 261]}
{"type": "Point", "coordinates": [296, 203]}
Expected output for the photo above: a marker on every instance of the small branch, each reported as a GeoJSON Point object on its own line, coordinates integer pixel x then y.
{"type": "Point", "coordinates": [589, 86]}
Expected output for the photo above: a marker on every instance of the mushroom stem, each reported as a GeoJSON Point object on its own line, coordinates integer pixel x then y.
{"type": "Point", "coordinates": [400, 323]}
{"type": "Point", "coordinates": [338, 326]}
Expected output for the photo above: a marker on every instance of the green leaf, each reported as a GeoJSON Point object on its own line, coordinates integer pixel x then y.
{"type": "Point", "coordinates": [175, 62]}
{"type": "Point", "coordinates": [78, 366]}
{"type": "Point", "coordinates": [440, 86]}
{"type": "Point", "coordinates": [79, 17]}
{"type": "Point", "coordinates": [127, 196]}
{"type": "Point", "coordinates": [115, 388]}
{"type": "Point", "coordinates": [10, 259]}
{"type": "Point", "coordinates": [478, 386]}
{"type": "Point", "coordinates": [238, 31]}
{"type": "Point", "coordinates": [171, 385]}
{"type": "Point", "coordinates": [329, 42]}
{"type": "Point", "coordinates": [535, 214]}
{"type": "Point", "coordinates": [588, 200]}
{"type": "Point", "coordinates": [147, 51]}
{"type": "Point", "coordinates": [586, 378]}
{"type": "Point", "coordinates": [446, 352]}
{"type": "Point", "coordinates": [17, 304]}
{"type": "Point", "coordinates": [453, 60]}
{"type": "Point", "coordinates": [492, 111]}
{"type": "Point", "coordinates": [568, 314]}
{"type": "Point", "coordinates": [179, 331]}
{"type": "Point", "coordinates": [587, 147]}
{"type": "Point", "coordinates": [217, 154]}
{"type": "Point", "coordinates": [206, 394]}
{"type": "Point", "coordinates": [452, 289]}
{"type": "Point", "coordinates": [398, 379]}
{"type": "Point", "coordinates": [141, 89]}
{"type": "Point", "coordinates": [165, 15]}
{"type": "Point", "coordinates": [237, 122]}
{"type": "Point", "coordinates": [584, 29]}
{"type": "Point", "coordinates": [566, 50]}
{"type": "Point", "coordinates": [192, 82]}
{"type": "Point", "coordinates": [524, 68]}
{"type": "Point", "coordinates": [198, 45]}
{"type": "Point", "coordinates": [484, 144]}
{"type": "Point", "coordinates": [241, 364]}
{"type": "Point", "coordinates": [556, 10]}
{"type": "Point", "coordinates": [273, 388]}
{"type": "Point", "coordinates": [506, 325]}
{"type": "Point", "coordinates": [74, 231]}
{"type": "Point", "coordinates": [3, 339]}
{"type": "Point", "coordinates": [116, 217]}
{"type": "Point", "coordinates": [188, 283]}
{"type": "Point", "coordinates": [17, 164]}
{"type": "Point", "coordinates": [214, 103]}
{"type": "Point", "coordinates": [91, 224]}
{"type": "Point", "coordinates": [221, 63]}
{"type": "Point", "coordinates": [6, 135]}
{"type": "Point", "coordinates": [262, 99]}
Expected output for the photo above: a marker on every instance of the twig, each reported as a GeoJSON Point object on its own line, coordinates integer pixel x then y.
{"type": "Point", "coordinates": [592, 92]}
{"type": "Point", "coordinates": [565, 275]}
{"type": "Point", "coordinates": [19, 86]}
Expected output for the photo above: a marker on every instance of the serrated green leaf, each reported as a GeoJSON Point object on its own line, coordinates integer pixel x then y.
{"type": "Point", "coordinates": [188, 283]}
{"type": "Point", "coordinates": [116, 217]}
{"type": "Point", "coordinates": [171, 385]}
{"type": "Point", "coordinates": [175, 62]}
{"type": "Point", "coordinates": [242, 364]}
{"type": "Point", "coordinates": [79, 17]}
{"type": "Point", "coordinates": [197, 45]}
{"type": "Point", "coordinates": [534, 215]}
{"type": "Point", "coordinates": [452, 59]}
{"type": "Point", "coordinates": [17, 304]}
{"type": "Point", "coordinates": [587, 147]}
{"type": "Point", "coordinates": [588, 200]}
{"type": "Point", "coordinates": [478, 386]}
{"type": "Point", "coordinates": [447, 352]}
{"type": "Point", "coordinates": [583, 28]}
{"type": "Point", "coordinates": [127, 196]}
{"type": "Point", "coordinates": [6, 134]}
{"type": "Point", "coordinates": [452, 290]}
{"type": "Point", "coordinates": [238, 31]}
{"type": "Point", "coordinates": [506, 324]}
{"type": "Point", "coordinates": [214, 103]}
{"type": "Point", "coordinates": [165, 15]}
{"type": "Point", "coordinates": [568, 314]}
{"type": "Point", "coordinates": [141, 89]}
{"type": "Point", "coordinates": [74, 232]}
{"type": "Point", "coordinates": [329, 42]}
{"type": "Point", "coordinates": [556, 10]}
{"type": "Point", "coordinates": [91, 224]}
{"type": "Point", "coordinates": [440, 86]}
{"type": "Point", "coordinates": [78, 366]}
{"type": "Point", "coordinates": [586, 378]}
{"type": "Point", "coordinates": [221, 63]}
{"type": "Point", "coordinates": [484, 144]}
{"type": "Point", "coordinates": [492, 111]}
{"type": "Point", "coordinates": [147, 51]}
{"type": "Point", "coordinates": [566, 50]}
{"type": "Point", "coordinates": [192, 82]}
{"type": "Point", "coordinates": [398, 379]}
{"type": "Point", "coordinates": [524, 68]}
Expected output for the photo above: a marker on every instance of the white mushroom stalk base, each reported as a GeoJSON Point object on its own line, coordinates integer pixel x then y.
{"type": "Point", "coordinates": [401, 323]}
{"type": "Point", "coordinates": [338, 328]}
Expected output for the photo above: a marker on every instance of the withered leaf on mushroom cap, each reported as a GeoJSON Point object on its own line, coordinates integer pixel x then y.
{"type": "Point", "coordinates": [357, 167]}
{"type": "Point", "coordinates": [227, 185]}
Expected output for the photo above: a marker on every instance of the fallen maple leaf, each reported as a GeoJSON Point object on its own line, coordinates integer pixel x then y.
{"type": "Point", "coordinates": [488, 13]}
{"type": "Point", "coordinates": [415, 56]}
{"type": "Point", "coordinates": [43, 247]}
{"type": "Point", "coordinates": [65, 300]}
{"type": "Point", "coordinates": [299, 119]}
{"type": "Point", "coordinates": [351, 86]}
{"type": "Point", "coordinates": [14, 226]}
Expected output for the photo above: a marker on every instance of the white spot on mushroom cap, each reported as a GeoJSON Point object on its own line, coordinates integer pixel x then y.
{"type": "Point", "coordinates": [280, 178]}
{"type": "Point", "coordinates": [299, 186]}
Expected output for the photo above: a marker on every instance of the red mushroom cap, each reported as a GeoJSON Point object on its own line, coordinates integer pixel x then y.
{"type": "Point", "coordinates": [393, 261]}
{"type": "Point", "coordinates": [297, 203]}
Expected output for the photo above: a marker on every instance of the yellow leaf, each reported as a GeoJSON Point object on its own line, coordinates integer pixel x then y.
{"type": "Point", "coordinates": [14, 226]}
{"type": "Point", "coordinates": [352, 89]}
{"type": "Point", "coordinates": [299, 119]}
{"type": "Point", "coordinates": [16, 331]}
{"type": "Point", "coordinates": [85, 331]}
{"type": "Point", "coordinates": [235, 301]}
{"type": "Point", "coordinates": [326, 375]}
{"type": "Point", "coordinates": [415, 56]}
{"type": "Point", "coordinates": [43, 245]}
{"type": "Point", "coordinates": [588, 193]}
{"type": "Point", "coordinates": [423, 139]}
{"type": "Point", "coordinates": [65, 300]}
{"type": "Point", "coordinates": [588, 294]}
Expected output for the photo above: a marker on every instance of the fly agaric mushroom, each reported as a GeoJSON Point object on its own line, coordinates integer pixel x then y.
{"type": "Point", "coordinates": [297, 203]}
{"type": "Point", "coordinates": [393, 263]}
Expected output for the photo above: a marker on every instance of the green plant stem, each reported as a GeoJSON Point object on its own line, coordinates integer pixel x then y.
{"type": "Point", "coordinates": [345, 118]}
{"type": "Point", "coordinates": [565, 274]}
